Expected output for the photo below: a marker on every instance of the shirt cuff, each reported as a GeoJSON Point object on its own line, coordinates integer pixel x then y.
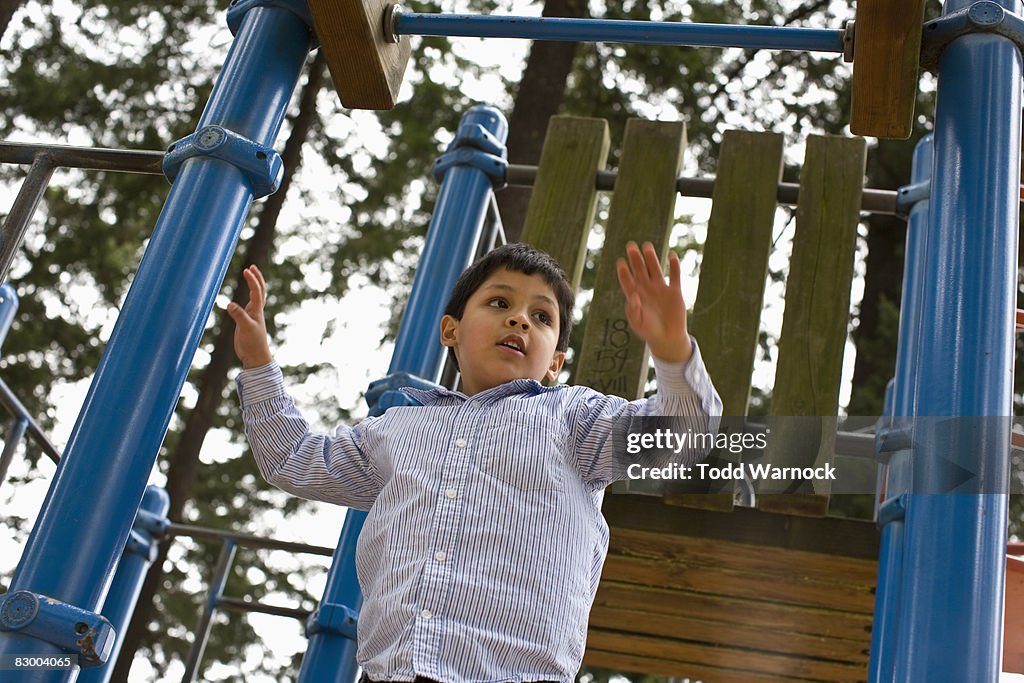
{"type": "Point", "coordinates": [689, 378]}
{"type": "Point", "coordinates": [260, 384]}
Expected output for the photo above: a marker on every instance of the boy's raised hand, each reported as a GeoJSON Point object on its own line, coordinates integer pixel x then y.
{"type": "Point", "coordinates": [655, 309]}
{"type": "Point", "coordinates": [251, 344]}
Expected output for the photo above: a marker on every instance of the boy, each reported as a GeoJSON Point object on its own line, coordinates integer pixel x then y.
{"type": "Point", "coordinates": [482, 550]}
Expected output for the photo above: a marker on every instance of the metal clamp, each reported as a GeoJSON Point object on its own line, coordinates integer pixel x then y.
{"type": "Point", "coordinates": [392, 13]}
{"type": "Point", "coordinates": [260, 164]}
{"type": "Point", "coordinates": [238, 8]}
{"type": "Point", "coordinates": [889, 440]}
{"type": "Point", "coordinates": [332, 618]}
{"type": "Point", "coordinates": [909, 195]}
{"type": "Point", "coordinates": [981, 17]}
{"type": "Point", "coordinates": [72, 629]}
{"type": "Point", "coordinates": [892, 510]}
{"type": "Point", "coordinates": [475, 146]}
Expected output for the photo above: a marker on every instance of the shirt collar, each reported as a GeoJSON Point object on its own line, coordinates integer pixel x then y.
{"type": "Point", "coordinates": [516, 386]}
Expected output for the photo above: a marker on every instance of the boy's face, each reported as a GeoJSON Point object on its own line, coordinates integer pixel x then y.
{"type": "Point", "coordinates": [508, 331]}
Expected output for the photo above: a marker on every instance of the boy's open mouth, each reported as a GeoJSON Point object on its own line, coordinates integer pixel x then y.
{"type": "Point", "coordinates": [515, 343]}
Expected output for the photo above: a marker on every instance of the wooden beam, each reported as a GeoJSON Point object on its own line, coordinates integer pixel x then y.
{"type": "Point", "coordinates": [612, 359]}
{"type": "Point", "coordinates": [367, 69]}
{"type": "Point", "coordinates": [829, 535]}
{"type": "Point", "coordinates": [726, 315]}
{"type": "Point", "coordinates": [753, 612]}
{"type": "Point", "coordinates": [817, 315]}
{"type": "Point", "coordinates": [564, 197]}
{"type": "Point", "coordinates": [725, 657]}
{"type": "Point", "coordinates": [656, 666]}
{"type": "Point", "coordinates": [887, 50]}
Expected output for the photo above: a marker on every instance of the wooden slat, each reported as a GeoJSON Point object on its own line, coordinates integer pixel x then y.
{"type": "Point", "coordinates": [887, 49]}
{"type": "Point", "coordinates": [694, 550]}
{"type": "Point", "coordinates": [814, 325]}
{"type": "Point", "coordinates": [735, 658]}
{"type": "Point", "coordinates": [367, 70]}
{"type": "Point", "coordinates": [564, 196]}
{"type": "Point", "coordinates": [795, 619]}
{"type": "Point", "coordinates": [612, 359]}
{"type": "Point", "coordinates": [655, 666]}
{"type": "Point", "coordinates": [1013, 618]}
{"type": "Point", "coordinates": [726, 316]}
{"type": "Point", "coordinates": [719, 634]}
{"type": "Point", "coordinates": [788, 590]}
{"type": "Point", "coordinates": [829, 536]}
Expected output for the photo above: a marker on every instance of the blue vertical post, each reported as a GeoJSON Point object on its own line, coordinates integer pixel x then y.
{"type": "Point", "coordinates": [452, 237]}
{"type": "Point", "coordinates": [82, 529]}
{"type": "Point", "coordinates": [139, 553]}
{"type": "Point", "coordinates": [890, 557]}
{"type": "Point", "coordinates": [954, 551]}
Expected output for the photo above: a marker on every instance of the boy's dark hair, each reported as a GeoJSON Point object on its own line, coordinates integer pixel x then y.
{"type": "Point", "coordinates": [521, 258]}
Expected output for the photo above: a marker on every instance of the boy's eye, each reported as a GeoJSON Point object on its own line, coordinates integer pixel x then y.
{"type": "Point", "coordinates": [498, 303]}
{"type": "Point", "coordinates": [543, 317]}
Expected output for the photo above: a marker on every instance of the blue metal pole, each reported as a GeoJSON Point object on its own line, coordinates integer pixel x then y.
{"type": "Point", "coordinates": [620, 31]}
{"type": "Point", "coordinates": [452, 237]}
{"type": "Point", "coordinates": [82, 529]}
{"type": "Point", "coordinates": [954, 552]}
{"type": "Point", "coordinates": [139, 553]}
{"type": "Point", "coordinates": [890, 558]}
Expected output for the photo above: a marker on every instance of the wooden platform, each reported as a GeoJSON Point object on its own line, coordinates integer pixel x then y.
{"type": "Point", "coordinates": [741, 596]}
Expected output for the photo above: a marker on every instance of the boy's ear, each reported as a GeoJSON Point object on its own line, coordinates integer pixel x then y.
{"type": "Point", "coordinates": [556, 366]}
{"type": "Point", "coordinates": [449, 326]}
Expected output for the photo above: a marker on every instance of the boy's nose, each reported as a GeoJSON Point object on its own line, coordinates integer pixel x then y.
{"type": "Point", "coordinates": [520, 320]}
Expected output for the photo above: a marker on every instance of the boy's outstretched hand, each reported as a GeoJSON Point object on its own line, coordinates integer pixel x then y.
{"type": "Point", "coordinates": [655, 309]}
{"type": "Point", "coordinates": [251, 344]}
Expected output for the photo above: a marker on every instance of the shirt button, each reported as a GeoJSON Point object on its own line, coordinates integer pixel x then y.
{"type": "Point", "coordinates": [426, 614]}
{"type": "Point", "coordinates": [451, 493]}
{"type": "Point", "coordinates": [461, 443]}
{"type": "Point", "coordinates": [440, 555]}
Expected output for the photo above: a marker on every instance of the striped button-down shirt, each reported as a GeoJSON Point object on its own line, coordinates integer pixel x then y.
{"type": "Point", "coordinates": [482, 550]}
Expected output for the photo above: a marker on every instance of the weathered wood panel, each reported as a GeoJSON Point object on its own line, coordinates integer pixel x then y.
{"type": "Point", "coordinates": [886, 54]}
{"type": "Point", "coordinates": [366, 69]}
{"type": "Point", "coordinates": [612, 359]}
{"type": "Point", "coordinates": [814, 325]}
{"type": "Point", "coordinates": [564, 197]}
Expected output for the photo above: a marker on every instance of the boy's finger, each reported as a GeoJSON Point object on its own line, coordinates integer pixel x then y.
{"type": "Point", "coordinates": [652, 263]}
{"type": "Point", "coordinates": [625, 278]}
{"type": "Point", "coordinates": [636, 262]}
{"type": "Point", "coordinates": [675, 277]}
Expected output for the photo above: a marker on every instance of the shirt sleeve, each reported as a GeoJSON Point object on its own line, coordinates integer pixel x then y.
{"type": "Point", "coordinates": [600, 423]}
{"type": "Point", "coordinates": [332, 468]}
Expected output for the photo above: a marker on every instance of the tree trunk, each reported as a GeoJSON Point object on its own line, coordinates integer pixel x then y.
{"type": "Point", "coordinates": [539, 97]}
{"type": "Point", "coordinates": [7, 10]}
{"type": "Point", "coordinates": [184, 461]}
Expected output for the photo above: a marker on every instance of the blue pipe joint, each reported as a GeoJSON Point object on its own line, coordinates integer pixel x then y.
{"type": "Point", "coordinates": [261, 165]}
{"type": "Point", "coordinates": [892, 510]}
{"type": "Point", "coordinates": [335, 619]}
{"type": "Point", "coordinates": [238, 8]}
{"type": "Point", "coordinates": [477, 147]}
{"type": "Point", "coordinates": [984, 16]}
{"type": "Point", "coordinates": [384, 393]}
{"type": "Point", "coordinates": [892, 439]}
{"type": "Point", "coordinates": [72, 629]}
{"type": "Point", "coordinates": [909, 195]}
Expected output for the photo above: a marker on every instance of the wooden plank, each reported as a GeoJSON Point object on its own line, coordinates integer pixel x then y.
{"type": "Point", "coordinates": [887, 49]}
{"type": "Point", "coordinates": [726, 315]}
{"type": "Point", "coordinates": [814, 324]}
{"type": "Point", "coordinates": [788, 590]}
{"type": "Point", "coordinates": [693, 550]}
{"type": "Point", "coordinates": [719, 634]}
{"type": "Point", "coordinates": [612, 359]}
{"type": "Point", "coordinates": [366, 69]}
{"type": "Point", "coordinates": [1013, 617]}
{"type": "Point", "coordinates": [655, 666]}
{"type": "Point", "coordinates": [564, 196]}
{"type": "Point", "coordinates": [828, 535]}
{"type": "Point", "coordinates": [753, 612]}
{"type": "Point", "coordinates": [683, 651]}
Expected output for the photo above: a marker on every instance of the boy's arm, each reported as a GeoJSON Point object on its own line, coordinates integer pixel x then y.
{"type": "Point", "coordinates": [288, 454]}
{"type": "Point", "coordinates": [657, 314]}
{"type": "Point", "coordinates": [335, 469]}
